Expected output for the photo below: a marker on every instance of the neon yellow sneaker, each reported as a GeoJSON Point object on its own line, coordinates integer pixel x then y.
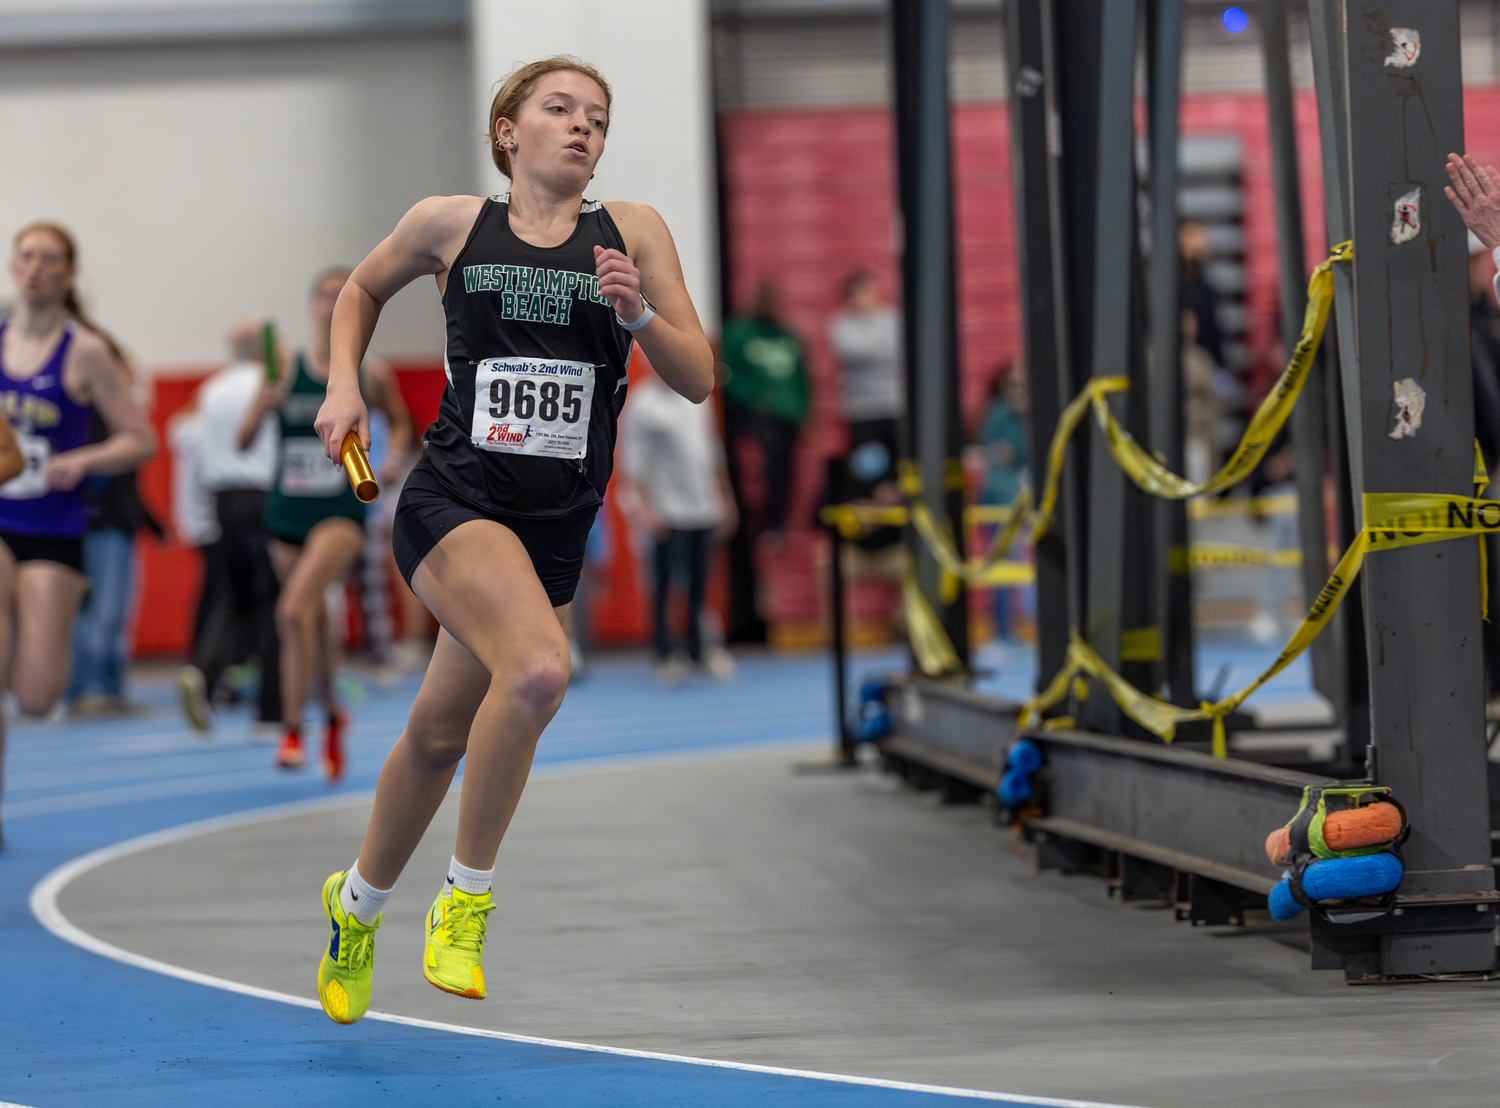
{"type": "Point", "coordinates": [455, 942]}
{"type": "Point", "coordinates": [348, 963]}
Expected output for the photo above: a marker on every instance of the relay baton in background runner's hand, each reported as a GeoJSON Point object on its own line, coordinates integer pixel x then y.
{"type": "Point", "coordinates": [268, 350]}
{"type": "Point", "coordinates": [357, 468]}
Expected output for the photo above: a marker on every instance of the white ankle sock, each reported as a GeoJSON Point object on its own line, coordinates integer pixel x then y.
{"type": "Point", "coordinates": [468, 880]}
{"type": "Point", "coordinates": [360, 899]}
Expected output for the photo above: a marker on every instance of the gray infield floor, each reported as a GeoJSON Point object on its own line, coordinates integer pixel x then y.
{"type": "Point", "coordinates": [727, 907]}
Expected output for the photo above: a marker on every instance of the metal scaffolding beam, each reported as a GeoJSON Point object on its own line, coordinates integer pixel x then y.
{"type": "Point", "coordinates": [1039, 259]}
{"type": "Point", "coordinates": [1174, 580]}
{"type": "Point", "coordinates": [1307, 422]}
{"type": "Point", "coordinates": [919, 35]}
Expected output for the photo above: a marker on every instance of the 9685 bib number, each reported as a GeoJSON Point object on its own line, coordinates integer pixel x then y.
{"type": "Point", "coordinates": [533, 406]}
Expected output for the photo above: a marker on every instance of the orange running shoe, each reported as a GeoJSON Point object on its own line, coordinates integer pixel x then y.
{"type": "Point", "coordinates": [333, 746]}
{"type": "Point", "coordinates": [289, 754]}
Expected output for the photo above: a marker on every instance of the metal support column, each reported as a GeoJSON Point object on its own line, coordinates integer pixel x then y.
{"type": "Point", "coordinates": [1164, 269]}
{"type": "Point", "coordinates": [843, 728]}
{"type": "Point", "coordinates": [1307, 422]}
{"type": "Point", "coordinates": [1409, 322]}
{"type": "Point", "coordinates": [1325, 25]}
{"type": "Point", "coordinates": [1033, 116]}
{"type": "Point", "coordinates": [919, 31]}
{"type": "Point", "coordinates": [1109, 354]}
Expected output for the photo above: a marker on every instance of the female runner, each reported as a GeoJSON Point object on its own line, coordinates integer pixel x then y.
{"type": "Point", "coordinates": [56, 369]}
{"type": "Point", "coordinates": [544, 292]}
{"type": "Point", "coordinates": [316, 523]}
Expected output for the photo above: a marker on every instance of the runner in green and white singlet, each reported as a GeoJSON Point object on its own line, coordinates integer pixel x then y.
{"type": "Point", "coordinates": [316, 524]}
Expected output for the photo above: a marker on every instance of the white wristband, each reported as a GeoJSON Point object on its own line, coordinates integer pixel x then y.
{"type": "Point", "coordinates": [648, 313]}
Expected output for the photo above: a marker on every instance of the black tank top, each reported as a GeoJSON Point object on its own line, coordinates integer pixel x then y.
{"type": "Point", "coordinates": [536, 371]}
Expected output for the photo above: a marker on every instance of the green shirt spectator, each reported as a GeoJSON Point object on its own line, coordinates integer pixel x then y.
{"type": "Point", "coordinates": [766, 372]}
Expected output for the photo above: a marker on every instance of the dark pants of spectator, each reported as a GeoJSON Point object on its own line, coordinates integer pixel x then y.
{"type": "Point", "coordinates": [760, 471]}
{"type": "Point", "coordinates": [761, 446]}
{"type": "Point", "coordinates": [682, 554]}
{"type": "Point", "coordinates": [237, 612]}
{"type": "Point", "coordinates": [100, 657]}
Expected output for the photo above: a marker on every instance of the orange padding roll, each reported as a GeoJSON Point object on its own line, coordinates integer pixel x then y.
{"type": "Point", "coordinates": [1348, 830]}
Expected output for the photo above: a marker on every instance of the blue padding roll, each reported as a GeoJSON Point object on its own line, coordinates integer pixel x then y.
{"type": "Point", "coordinates": [1282, 904]}
{"type": "Point", "coordinates": [1015, 788]}
{"type": "Point", "coordinates": [1024, 756]}
{"type": "Point", "coordinates": [873, 689]}
{"type": "Point", "coordinates": [1338, 878]}
{"type": "Point", "coordinates": [876, 725]}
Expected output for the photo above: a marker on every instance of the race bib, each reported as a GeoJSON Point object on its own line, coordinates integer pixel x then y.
{"type": "Point", "coordinates": [31, 482]}
{"type": "Point", "coordinates": [306, 470]}
{"type": "Point", "coordinates": [533, 406]}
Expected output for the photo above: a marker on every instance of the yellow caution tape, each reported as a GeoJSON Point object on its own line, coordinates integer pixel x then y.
{"type": "Point", "coordinates": [1141, 644]}
{"type": "Point", "coordinates": [1392, 520]}
{"type": "Point", "coordinates": [1229, 555]}
{"type": "Point", "coordinates": [854, 521]}
{"type": "Point", "coordinates": [930, 644]}
{"type": "Point", "coordinates": [1158, 480]}
{"type": "Point", "coordinates": [976, 514]}
{"type": "Point", "coordinates": [1281, 504]}
{"type": "Point", "coordinates": [990, 571]}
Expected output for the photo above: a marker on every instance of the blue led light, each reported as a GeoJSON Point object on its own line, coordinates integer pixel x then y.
{"type": "Point", "coordinates": [1235, 20]}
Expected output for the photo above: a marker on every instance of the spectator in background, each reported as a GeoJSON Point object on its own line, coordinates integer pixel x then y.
{"type": "Point", "coordinates": [193, 519]}
{"type": "Point", "coordinates": [675, 463]}
{"type": "Point", "coordinates": [765, 402]}
{"type": "Point", "coordinates": [243, 625]}
{"type": "Point", "coordinates": [1198, 296]}
{"type": "Point", "coordinates": [1004, 440]}
{"type": "Point", "coordinates": [100, 653]}
{"type": "Point", "coordinates": [866, 337]}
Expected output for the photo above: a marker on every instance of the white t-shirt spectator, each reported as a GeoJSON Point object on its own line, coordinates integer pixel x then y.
{"type": "Point", "coordinates": [222, 402]}
{"type": "Point", "coordinates": [672, 447]}
{"type": "Point", "coordinates": [193, 516]}
{"type": "Point", "coordinates": [869, 346]}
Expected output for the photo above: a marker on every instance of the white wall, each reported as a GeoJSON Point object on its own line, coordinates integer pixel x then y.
{"type": "Point", "coordinates": [206, 182]}
{"type": "Point", "coordinates": [655, 55]}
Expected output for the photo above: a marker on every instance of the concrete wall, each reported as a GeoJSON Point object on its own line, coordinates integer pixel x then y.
{"type": "Point", "coordinates": [209, 180]}
{"type": "Point", "coordinates": [655, 54]}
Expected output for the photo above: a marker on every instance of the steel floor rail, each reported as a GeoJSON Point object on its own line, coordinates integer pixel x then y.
{"type": "Point", "coordinates": [1180, 808]}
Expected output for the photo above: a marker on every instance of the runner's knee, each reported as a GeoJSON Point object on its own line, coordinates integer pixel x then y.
{"type": "Point", "coordinates": [541, 679]}
{"type": "Point", "coordinates": [294, 616]}
{"type": "Point", "coordinates": [439, 743]}
{"type": "Point", "coordinates": [37, 698]}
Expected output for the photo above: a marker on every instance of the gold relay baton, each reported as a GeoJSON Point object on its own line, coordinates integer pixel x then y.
{"type": "Point", "coordinates": [357, 468]}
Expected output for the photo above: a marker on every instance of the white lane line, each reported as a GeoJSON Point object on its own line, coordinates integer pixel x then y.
{"type": "Point", "coordinates": [45, 908]}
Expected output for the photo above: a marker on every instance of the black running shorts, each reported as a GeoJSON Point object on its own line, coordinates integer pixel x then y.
{"type": "Point", "coordinates": [38, 548]}
{"type": "Point", "coordinates": [427, 511]}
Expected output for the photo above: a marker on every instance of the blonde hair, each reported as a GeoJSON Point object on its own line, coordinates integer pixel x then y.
{"type": "Point", "coordinates": [516, 89]}
{"type": "Point", "coordinates": [70, 300]}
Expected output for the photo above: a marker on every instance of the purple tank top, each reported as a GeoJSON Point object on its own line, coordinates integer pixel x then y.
{"type": "Point", "coordinates": [46, 422]}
